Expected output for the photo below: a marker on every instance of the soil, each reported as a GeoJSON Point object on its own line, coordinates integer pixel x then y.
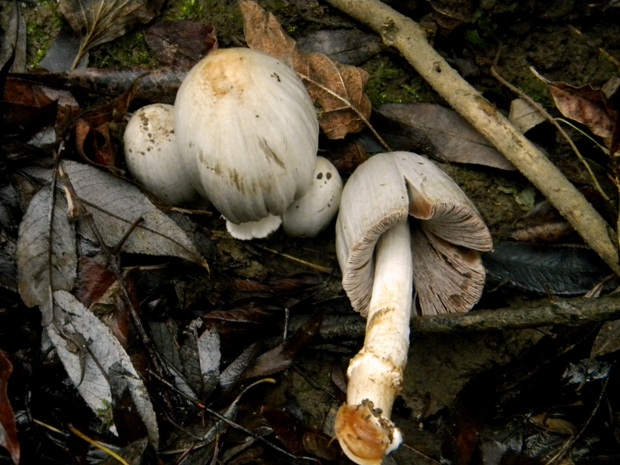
{"type": "Point", "coordinates": [469, 397]}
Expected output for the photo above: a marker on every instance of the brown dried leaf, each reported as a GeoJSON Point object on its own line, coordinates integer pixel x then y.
{"type": "Point", "coordinates": [337, 90]}
{"type": "Point", "coordinates": [94, 141]}
{"type": "Point", "coordinates": [588, 106]}
{"type": "Point", "coordinates": [8, 430]}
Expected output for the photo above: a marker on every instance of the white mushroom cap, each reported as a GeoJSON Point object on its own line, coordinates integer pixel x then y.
{"type": "Point", "coordinates": [309, 215]}
{"type": "Point", "coordinates": [390, 188]}
{"type": "Point", "coordinates": [248, 133]}
{"type": "Point", "coordinates": [152, 157]}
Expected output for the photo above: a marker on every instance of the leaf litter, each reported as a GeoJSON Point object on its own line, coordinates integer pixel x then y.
{"type": "Point", "coordinates": [245, 299]}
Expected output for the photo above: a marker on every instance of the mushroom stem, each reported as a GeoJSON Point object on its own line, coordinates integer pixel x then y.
{"type": "Point", "coordinates": [376, 372]}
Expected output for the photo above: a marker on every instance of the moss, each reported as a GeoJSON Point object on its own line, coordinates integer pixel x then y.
{"type": "Point", "coordinates": [44, 22]}
{"type": "Point", "coordinates": [390, 83]}
{"type": "Point", "coordinates": [128, 50]}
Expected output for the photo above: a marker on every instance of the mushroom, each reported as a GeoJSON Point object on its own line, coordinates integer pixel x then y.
{"type": "Point", "coordinates": [309, 215]}
{"type": "Point", "coordinates": [151, 154]}
{"type": "Point", "coordinates": [382, 250]}
{"type": "Point", "coordinates": [247, 132]}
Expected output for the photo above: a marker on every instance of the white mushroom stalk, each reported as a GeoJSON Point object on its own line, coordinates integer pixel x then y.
{"type": "Point", "coordinates": [248, 133]}
{"type": "Point", "coordinates": [382, 251]}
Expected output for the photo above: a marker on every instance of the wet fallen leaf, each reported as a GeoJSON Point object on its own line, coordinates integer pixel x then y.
{"type": "Point", "coordinates": [89, 369]}
{"type": "Point", "coordinates": [438, 132]}
{"type": "Point", "coordinates": [558, 270]}
{"type": "Point", "coordinates": [588, 106]}
{"type": "Point", "coordinates": [101, 21]}
{"type": "Point", "coordinates": [337, 90]}
{"type": "Point", "coordinates": [8, 430]}
{"type": "Point", "coordinates": [282, 356]}
{"type": "Point", "coordinates": [180, 44]}
{"type": "Point", "coordinates": [346, 46]}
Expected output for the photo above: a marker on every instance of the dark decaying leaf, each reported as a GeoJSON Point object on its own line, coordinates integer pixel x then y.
{"type": "Point", "coordinates": [346, 46]}
{"type": "Point", "coordinates": [559, 270]}
{"type": "Point", "coordinates": [129, 426]}
{"type": "Point", "coordinates": [61, 54]}
{"type": "Point", "coordinates": [8, 430]}
{"type": "Point", "coordinates": [337, 90]}
{"type": "Point", "coordinates": [100, 21]}
{"type": "Point", "coordinates": [588, 106]}
{"type": "Point", "coordinates": [132, 453]}
{"type": "Point", "coordinates": [281, 357]}
{"type": "Point", "coordinates": [607, 340]}
{"type": "Point", "coordinates": [180, 44]}
{"type": "Point", "coordinates": [13, 37]}
{"type": "Point", "coordinates": [116, 205]}
{"type": "Point", "coordinates": [89, 352]}
{"type": "Point", "coordinates": [438, 132]}
{"type": "Point", "coordinates": [542, 224]}
{"type": "Point", "coordinates": [46, 249]}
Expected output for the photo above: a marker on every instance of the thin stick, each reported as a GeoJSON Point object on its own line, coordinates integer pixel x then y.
{"type": "Point", "coordinates": [410, 40]}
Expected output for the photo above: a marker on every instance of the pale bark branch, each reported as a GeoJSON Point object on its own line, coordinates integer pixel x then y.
{"type": "Point", "coordinates": [410, 40]}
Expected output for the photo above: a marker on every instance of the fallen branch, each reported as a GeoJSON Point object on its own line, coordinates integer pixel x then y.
{"type": "Point", "coordinates": [560, 312]}
{"type": "Point", "coordinates": [410, 40]}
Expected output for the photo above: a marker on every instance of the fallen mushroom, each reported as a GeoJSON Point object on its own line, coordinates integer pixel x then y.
{"type": "Point", "coordinates": [309, 215]}
{"type": "Point", "coordinates": [247, 132]}
{"type": "Point", "coordinates": [382, 252]}
{"type": "Point", "coordinates": [151, 154]}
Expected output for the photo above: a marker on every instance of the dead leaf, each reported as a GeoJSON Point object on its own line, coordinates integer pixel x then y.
{"type": "Point", "coordinates": [337, 90]}
{"type": "Point", "coordinates": [93, 138]}
{"type": "Point", "coordinates": [89, 370]}
{"type": "Point", "coordinates": [101, 21]}
{"type": "Point", "coordinates": [282, 356]}
{"type": "Point", "coordinates": [588, 106]}
{"type": "Point", "coordinates": [346, 46]}
{"type": "Point", "coordinates": [437, 132]}
{"type": "Point", "coordinates": [544, 269]}
{"type": "Point", "coordinates": [524, 116]}
{"type": "Point", "coordinates": [116, 205]}
{"type": "Point", "coordinates": [46, 249]}
{"type": "Point", "coordinates": [181, 44]}
{"type": "Point", "coordinates": [8, 430]}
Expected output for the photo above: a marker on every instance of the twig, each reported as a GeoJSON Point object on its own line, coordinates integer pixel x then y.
{"type": "Point", "coordinates": [561, 312]}
{"type": "Point", "coordinates": [410, 40]}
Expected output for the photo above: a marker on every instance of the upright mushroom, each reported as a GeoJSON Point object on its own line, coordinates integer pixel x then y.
{"type": "Point", "coordinates": [382, 251]}
{"type": "Point", "coordinates": [152, 157]}
{"type": "Point", "coordinates": [248, 136]}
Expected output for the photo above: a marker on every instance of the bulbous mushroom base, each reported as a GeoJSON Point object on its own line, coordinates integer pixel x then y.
{"type": "Point", "coordinates": [364, 434]}
{"type": "Point", "coordinates": [254, 229]}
